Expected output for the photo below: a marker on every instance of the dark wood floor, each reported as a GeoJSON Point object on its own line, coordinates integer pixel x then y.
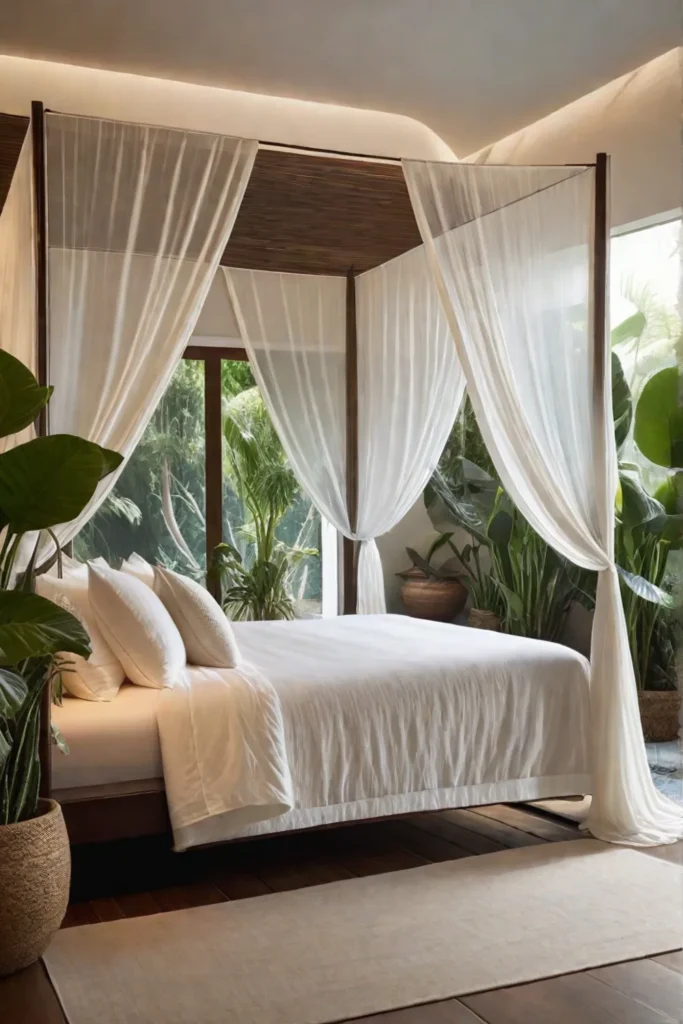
{"type": "Point", "coordinates": [132, 878]}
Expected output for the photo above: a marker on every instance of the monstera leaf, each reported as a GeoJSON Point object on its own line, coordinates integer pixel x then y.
{"type": "Point", "coordinates": [21, 396]}
{"type": "Point", "coordinates": [32, 627]}
{"type": "Point", "coordinates": [50, 480]}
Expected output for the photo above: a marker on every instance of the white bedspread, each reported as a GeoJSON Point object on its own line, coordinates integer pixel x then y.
{"type": "Point", "coordinates": [361, 708]}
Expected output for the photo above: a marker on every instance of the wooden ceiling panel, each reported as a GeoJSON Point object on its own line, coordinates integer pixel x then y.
{"type": "Point", "coordinates": [301, 212]}
{"type": "Point", "coordinates": [321, 215]}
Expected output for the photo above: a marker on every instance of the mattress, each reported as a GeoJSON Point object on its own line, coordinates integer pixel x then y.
{"type": "Point", "coordinates": [367, 716]}
{"type": "Point", "coordinates": [377, 716]}
{"type": "Point", "coordinates": [109, 741]}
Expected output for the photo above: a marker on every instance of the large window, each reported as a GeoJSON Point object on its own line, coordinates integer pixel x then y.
{"type": "Point", "coordinates": [158, 507]}
{"type": "Point", "coordinates": [645, 320]}
{"type": "Point", "coordinates": [264, 510]}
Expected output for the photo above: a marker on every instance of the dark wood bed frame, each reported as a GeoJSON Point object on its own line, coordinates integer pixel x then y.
{"type": "Point", "coordinates": [304, 211]}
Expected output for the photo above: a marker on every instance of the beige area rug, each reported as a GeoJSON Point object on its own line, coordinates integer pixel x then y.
{"type": "Point", "coordinates": [366, 945]}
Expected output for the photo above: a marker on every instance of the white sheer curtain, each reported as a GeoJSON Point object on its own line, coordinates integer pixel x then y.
{"type": "Point", "coordinates": [17, 273]}
{"type": "Point", "coordinates": [410, 386]}
{"type": "Point", "coordinates": [510, 251]}
{"type": "Point", "coordinates": [293, 328]}
{"type": "Point", "coordinates": [409, 390]}
{"type": "Point", "coordinates": [138, 217]}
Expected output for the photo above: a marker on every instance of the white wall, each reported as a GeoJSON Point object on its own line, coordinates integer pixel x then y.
{"type": "Point", "coordinates": [636, 119]}
{"type": "Point", "coordinates": [77, 90]}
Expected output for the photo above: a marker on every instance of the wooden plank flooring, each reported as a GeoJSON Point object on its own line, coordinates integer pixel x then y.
{"type": "Point", "coordinates": [131, 878]}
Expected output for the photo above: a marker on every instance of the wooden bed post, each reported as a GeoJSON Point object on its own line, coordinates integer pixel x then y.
{"type": "Point", "coordinates": [37, 128]}
{"type": "Point", "coordinates": [213, 458]}
{"type": "Point", "coordinates": [350, 546]}
{"type": "Point", "coordinates": [600, 262]}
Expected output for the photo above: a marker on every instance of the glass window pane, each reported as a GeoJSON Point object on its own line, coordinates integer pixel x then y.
{"type": "Point", "coordinates": [157, 506]}
{"type": "Point", "coordinates": [644, 315]}
{"type": "Point", "coordinates": [265, 515]}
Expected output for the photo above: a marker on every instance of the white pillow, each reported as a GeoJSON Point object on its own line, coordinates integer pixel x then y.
{"type": "Point", "coordinates": [137, 627]}
{"type": "Point", "coordinates": [138, 567]}
{"type": "Point", "coordinates": [100, 676]}
{"type": "Point", "coordinates": [202, 623]}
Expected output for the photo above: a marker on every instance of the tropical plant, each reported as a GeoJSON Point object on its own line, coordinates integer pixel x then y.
{"type": "Point", "coordinates": [429, 571]}
{"type": "Point", "coordinates": [508, 568]}
{"type": "Point", "coordinates": [46, 481]}
{"type": "Point", "coordinates": [258, 586]}
{"type": "Point", "coordinates": [650, 527]}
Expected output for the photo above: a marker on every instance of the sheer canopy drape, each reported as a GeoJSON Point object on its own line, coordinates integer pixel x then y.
{"type": "Point", "coordinates": [409, 390]}
{"type": "Point", "coordinates": [410, 387]}
{"type": "Point", "coordinates": [138, 217]}
{"type": "Point", "coordinates": [510, 249]}
{"type": "Point", "coordinates": [17, 272]}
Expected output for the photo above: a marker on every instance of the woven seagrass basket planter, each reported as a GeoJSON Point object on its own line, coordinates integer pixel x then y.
{"type": "Point", "coordinates": [660, 714]}
{"type": "Point", "coordinates": [479, 618]}
{"type": "Point", "coordinates": [35, 869]}
{"type": "Point", "coordinates": [439, 600]}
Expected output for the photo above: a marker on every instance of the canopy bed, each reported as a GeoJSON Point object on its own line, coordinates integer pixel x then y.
{"type": "Point", "coordinates": [490, 278]}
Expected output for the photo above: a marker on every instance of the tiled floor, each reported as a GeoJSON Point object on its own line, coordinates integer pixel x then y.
{"type": "Point", "coordinates": [666, 765]}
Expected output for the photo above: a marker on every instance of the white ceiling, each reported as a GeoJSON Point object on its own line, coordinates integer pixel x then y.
{"type": "Point", "coordinates": [473, 70]}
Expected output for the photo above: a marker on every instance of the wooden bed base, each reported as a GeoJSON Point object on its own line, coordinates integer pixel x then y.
{"type": "Point", "coordinates": [101, 819]}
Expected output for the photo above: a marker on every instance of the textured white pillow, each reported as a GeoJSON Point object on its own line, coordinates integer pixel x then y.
{"type": "Point", "coordinates": [137, 627]}
{"type": "Point", "coordinates": [138, 567]}
{"type": "Point", "coordinates": [202, 623]}
{"type": "Point", "coordinates": [100, 676]}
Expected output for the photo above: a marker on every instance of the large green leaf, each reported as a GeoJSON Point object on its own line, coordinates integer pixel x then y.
{"type": "Point", "coordinates": [513, 602]}
{"type": "Point", "coordinates": [466, 501]}
{"type": "Point", "coordinates": [646, 590]}
{"type": "Point", "coordinates": [31, 627]}
{"type": "Point", "coordinates": [13, 693]}
{"type": "Point", "coordinates": [21, 396]}
{"type": "Point", "coordinates": [629, 329]}
{"type": "Point", "coordinates": [50, 480]}
{"type": "Point", "coordinates": [622, 403]}
{"type": "Point", "coordinates": [667, 527]}
{"type": "Point", "coordinates": [667, 494]}
{"type": "Point", "coordinates": [658, 429]}
{"type": "Point", "coordinates": [637, 506]}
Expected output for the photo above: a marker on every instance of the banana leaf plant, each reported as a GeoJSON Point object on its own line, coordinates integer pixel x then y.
{"type": "Point", "coordinates": [508, 568]}
{"type": "Point", "coordinates": [43, 482]}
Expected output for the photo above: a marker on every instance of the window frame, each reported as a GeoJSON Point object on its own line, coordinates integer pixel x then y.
{"type": "Point", "coordinates": [211, 356]}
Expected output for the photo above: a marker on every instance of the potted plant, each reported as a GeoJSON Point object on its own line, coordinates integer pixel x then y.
{"type": "Point", "coordinates": [43, 482]}
{"type": "Point", "coordinates": [431, 593]}
{"type": "Point", "coordinates": [257, 587]}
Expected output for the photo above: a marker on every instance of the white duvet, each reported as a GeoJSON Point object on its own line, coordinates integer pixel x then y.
{"type": "Point", "coordinates": [366, 711]}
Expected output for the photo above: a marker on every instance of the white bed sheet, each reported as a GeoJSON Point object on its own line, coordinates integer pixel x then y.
{"type": "Point", "coordinates": [109, 741]}
{"type": "Point", "coordinates": [387, 714]}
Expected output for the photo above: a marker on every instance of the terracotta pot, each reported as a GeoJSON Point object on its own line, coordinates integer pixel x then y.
{"type": "Point", "coordinates": [480, 618]}
{"type": "Point", "coordinates": [660, 714]}
{"type": "Point", "coordinates": [439, 600]}
{"type": "Point", "coordinates": [35, 869]}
